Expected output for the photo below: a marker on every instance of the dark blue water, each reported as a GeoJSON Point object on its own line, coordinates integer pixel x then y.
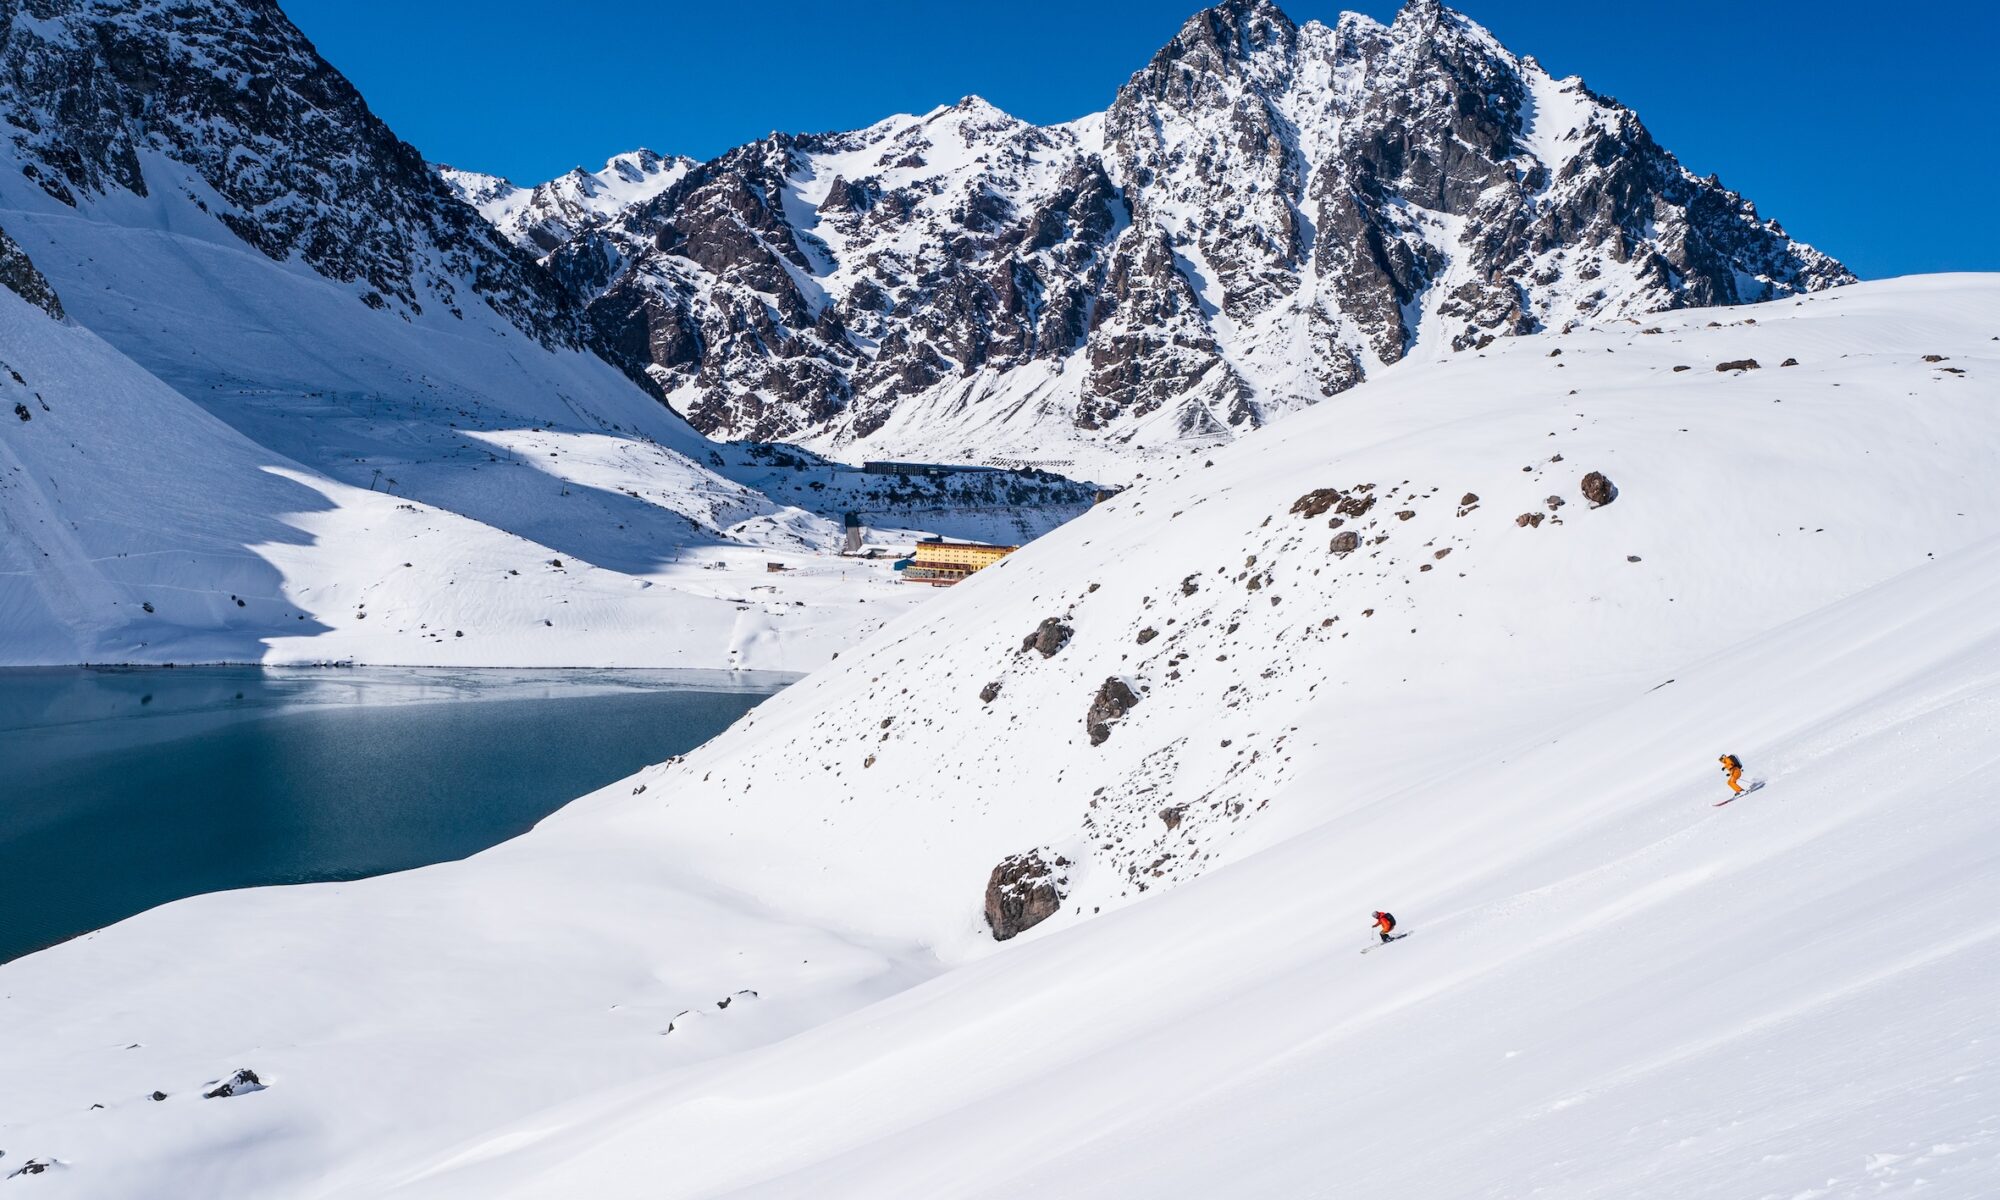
{"type": "Point", "coordinates": [124, 789]}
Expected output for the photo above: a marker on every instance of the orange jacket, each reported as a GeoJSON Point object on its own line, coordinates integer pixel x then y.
{"type": "Point", "coordinates": [1384, 922]}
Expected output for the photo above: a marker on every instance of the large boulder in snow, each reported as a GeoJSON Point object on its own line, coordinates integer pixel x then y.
{"type": "Point", "coordinates": [1113, 701]}
{"type": "Point", "coordinates": [1598, 490]}
{"type": "Point", "coordinates": [1050, 636]}
{"type": "Point", "coordinates": [1023, 891]}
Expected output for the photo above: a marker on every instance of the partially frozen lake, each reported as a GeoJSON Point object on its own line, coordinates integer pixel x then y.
{"type": "Point", "coordinates": [124, 789]}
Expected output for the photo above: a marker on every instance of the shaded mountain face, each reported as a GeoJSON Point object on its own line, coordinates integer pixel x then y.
{"type": "Point", "coordinates": [290, 157]}
{"type": "Point", "coordinates": [1267, 212]}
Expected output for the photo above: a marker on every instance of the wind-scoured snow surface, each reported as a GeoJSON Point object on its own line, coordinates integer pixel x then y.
{"type": "Point", "coordinates": [1611, 988]}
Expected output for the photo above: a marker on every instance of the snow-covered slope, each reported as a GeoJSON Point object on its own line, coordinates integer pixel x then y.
{"type": "Point", "coordinates": [276, 256]}
{"type": "Point", "coordinates": [1611, 988]}
{"type": "Point", "coordinates": [134, 527]}
{"type": "Point", "coordinates": [1266, 213]}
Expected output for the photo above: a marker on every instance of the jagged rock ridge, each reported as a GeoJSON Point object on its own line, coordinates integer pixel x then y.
{"type": "Point", "coordinates": [1267, 212]}
{"type": "Point", "coordinates": [287, 154]}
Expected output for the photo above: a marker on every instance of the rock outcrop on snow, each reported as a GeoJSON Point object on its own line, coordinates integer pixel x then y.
{"type": "Point", "coordinates": [18, 273]}
{"type": "Point", "coordinates": [1267, 212]}
{"type": "Point", "coordinates": [1023, 891]}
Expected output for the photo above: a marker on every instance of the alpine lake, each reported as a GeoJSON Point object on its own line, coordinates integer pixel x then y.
{"type": "Point", "coordinates": [126, 788]}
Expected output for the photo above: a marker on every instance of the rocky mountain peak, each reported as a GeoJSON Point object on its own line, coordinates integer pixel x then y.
{"type": "Point", "coordinates": [1265, 213]}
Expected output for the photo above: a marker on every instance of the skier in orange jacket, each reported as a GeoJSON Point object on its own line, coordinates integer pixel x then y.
{"type": "Point", "coordinates": [1383, 924]}
{"type": "Point", "coordinates": [1732, 767]}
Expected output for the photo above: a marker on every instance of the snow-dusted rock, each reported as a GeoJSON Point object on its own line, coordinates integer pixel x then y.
{"type": "Point", "coordinates": [1266, 213]}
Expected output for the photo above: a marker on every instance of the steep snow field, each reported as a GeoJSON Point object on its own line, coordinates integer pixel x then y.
{"type": "Point", "coordinates": [267, 437]}
{"type": "Point", "coordinates": [140, 529]}
{"type": "Point", "coordinates": [1611, 988]}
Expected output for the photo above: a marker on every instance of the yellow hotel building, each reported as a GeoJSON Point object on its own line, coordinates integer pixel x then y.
{"type": "Point", "coordinates": [942, 564]}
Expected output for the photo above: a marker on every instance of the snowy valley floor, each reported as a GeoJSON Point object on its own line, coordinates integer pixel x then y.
{"type": "Point", "coordinates": [1612, 988]}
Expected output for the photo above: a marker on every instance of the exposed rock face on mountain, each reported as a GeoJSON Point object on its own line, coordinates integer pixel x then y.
{"type": "Point", "coordinates": [18, 273]}
{"type": "Point", "coordinates": [1267, 212]}
{"type": "Point", "coordinates": [544, 217]}
{"type": "Point", "coordinates": [282, 149]}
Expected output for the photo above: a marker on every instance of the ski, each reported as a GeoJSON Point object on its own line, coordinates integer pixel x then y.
{"type": "Point", "coordinates": [1738, 796]}
{"type": "Point", "coordinates": [1378, 945]}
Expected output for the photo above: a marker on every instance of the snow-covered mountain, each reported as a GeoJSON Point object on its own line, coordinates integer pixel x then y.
{"type": "Point", "coordinates": [546, 216]}
{"type": "Point", "coordinates": [1464, 646]}
{"type": "Point", "coordinates": [1267, 213]}
{"type": "Point", "coordinates": [219, 206]}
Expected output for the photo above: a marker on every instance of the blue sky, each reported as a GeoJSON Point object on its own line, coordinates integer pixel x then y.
{"type": "Point", "coordinates": [1866, 130]}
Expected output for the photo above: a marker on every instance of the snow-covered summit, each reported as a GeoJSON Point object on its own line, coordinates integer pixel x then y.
{"type": "Point", "coordinates": [1266, 213]}
{"type": "Point", "coordinates": [540, 218]}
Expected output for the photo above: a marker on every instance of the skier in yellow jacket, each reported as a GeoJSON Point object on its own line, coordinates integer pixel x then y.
{"type": "Point", "coordinates": [1732, 768]}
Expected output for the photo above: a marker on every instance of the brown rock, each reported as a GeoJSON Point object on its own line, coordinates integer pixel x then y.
{"type": "Point", "coordinates": [1171, 817]}
{"type": "Point", "coordinates": [1050, 636]}
{"type": "Point", "coordinates": [1741, 364]}
{"type": "Point", "coordinates": [990, 692]}
{"type": "Point", "coordinates": [1528, 520]}
{"type": "Point", "coordinates": [1598, 490]}
{"type": "Point", "coordinates": [1023, 891]}
{"type": "Point", "coordinates": [1112, 702]}
{"type": "Point", "coordinates": [1345, 543]}
{"type": "Point", "coordinates": [1468, 500]}
{"type": "Point", "coordinates": [1147, 635]}
{"type": "Point", "coordinates": [1315, 502]}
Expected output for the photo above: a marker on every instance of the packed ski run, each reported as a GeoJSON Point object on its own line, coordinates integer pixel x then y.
{"type": "Point", "coordinates": [772, 969]}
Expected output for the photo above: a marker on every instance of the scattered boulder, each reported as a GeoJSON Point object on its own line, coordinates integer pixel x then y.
{"type": "Point", "coordinates": [1741, 364]}
{"type": "Point", "coordinates": [1468, 500]}
{"type": "Point", "coordinates": [1049, 637]}
{"type": "Point", "coordinates": [1023, 891]}
{"type": "Point", "coordinates": [1355, 504]}
{"type": "Point", "coordinates": [156, 1096]}
{"type": "Point", "coordinates": [1406, 514]}
{"type": "Point", "coordinates": [1171, 817]}
{"type": "Point", "coordinates": [1935, 358]}
{"type": "Point", "coordinates": [990, 692]}
{"type": "Point", "coordinates": [34, 1166]}
{"type": "Point", "coordinates": [1315, 502]}
{"type": "Point", "coordinates": [1790, 362]}
{"type": "Point", "coordinates": [242, 1083]}
{"type": "Point", "coordinates": [1678, 370]}
{"type": "Point", "coordinates": [1528, 520]}
{"type": "Point", "coordinates": [21, 411]}
{"type": "Point", "coordinates": [1442, 554]}
{"type": "Point", "coordinates": [1190, 585]}
{"type": "Point", "coordinates": [1555, 502]}
{"type": "Point", "coordinates": [1147, 635]}
{"type": "Point", "coordinates": [1113, 701]}
{"type": "Point", "coordinates": [1345, 543]}
{"type": "Point", "coordinates": [1599, 490]}
{"type": "Point", "coordinates": [1631, 558]}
